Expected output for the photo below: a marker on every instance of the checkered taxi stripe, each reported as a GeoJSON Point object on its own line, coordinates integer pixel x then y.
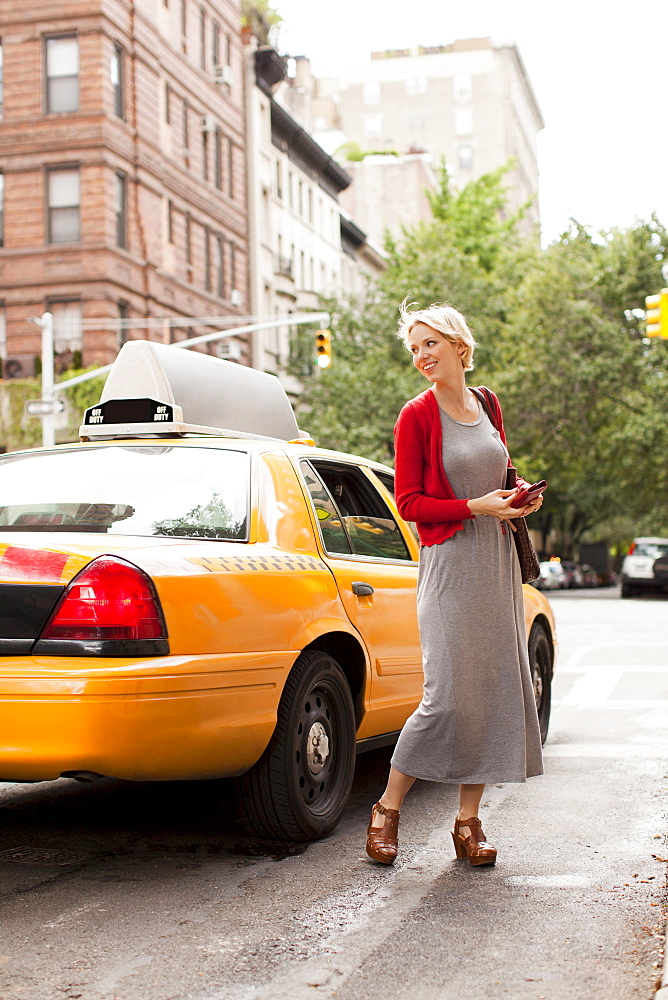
{"type": "Point", "coordinates": [258, 563]}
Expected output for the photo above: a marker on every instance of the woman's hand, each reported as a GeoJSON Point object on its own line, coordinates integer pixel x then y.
{"type": "Point", "coordinates": [496, 504]}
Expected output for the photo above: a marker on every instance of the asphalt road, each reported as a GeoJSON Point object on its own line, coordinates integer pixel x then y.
{"type": "Point", "coordinates": [121, 891]}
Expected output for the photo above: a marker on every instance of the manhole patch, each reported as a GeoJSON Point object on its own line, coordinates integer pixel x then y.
{"type": "Point", "coordinates": [38, 856]}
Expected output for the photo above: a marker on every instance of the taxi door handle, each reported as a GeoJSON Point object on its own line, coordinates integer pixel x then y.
{"type": "Point", "coordinates": [361, 589]}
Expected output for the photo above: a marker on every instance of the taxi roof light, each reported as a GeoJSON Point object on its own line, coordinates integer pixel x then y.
{"type": "Point", "coordinates": [109, 599]}
{"type": "Point", "coordinates": [156, 390]}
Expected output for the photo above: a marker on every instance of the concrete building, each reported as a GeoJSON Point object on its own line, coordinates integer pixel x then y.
{"type": "Point", "coordinates": [303, 244]}
{"type": "Point", "coordinates": [389, 193]}
{"type": "Point", "coordinates": [470, 102]}
{"type": "Point", "coordinates": [123, 191]}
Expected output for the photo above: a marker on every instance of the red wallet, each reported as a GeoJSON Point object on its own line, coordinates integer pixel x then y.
{"type": "Point", "coordinates": [528, 494]}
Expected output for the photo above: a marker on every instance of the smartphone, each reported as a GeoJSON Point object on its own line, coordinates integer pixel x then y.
{"type": "Point", "coordinates": [529, 493]}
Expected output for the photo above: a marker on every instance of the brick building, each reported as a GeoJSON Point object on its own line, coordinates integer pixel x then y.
{"type": "Point", "coordinates": [123, 182]}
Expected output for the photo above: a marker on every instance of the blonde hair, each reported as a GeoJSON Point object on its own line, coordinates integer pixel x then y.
{"type": "Point", "coordinates": [445, 320]}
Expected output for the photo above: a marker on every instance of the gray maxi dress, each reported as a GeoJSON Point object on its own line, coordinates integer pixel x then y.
{"type": "Point", "coordinates": [477, 721]}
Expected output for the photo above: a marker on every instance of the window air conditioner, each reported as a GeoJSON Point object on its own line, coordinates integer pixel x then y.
{"type": "Point", "coordinates": [235, 297]}
{"type": "Point", "coordinates": [229, 350]}
{"type": "Point", "coordinates": [208, 123]}
{"type": "Point", "coordinates": [21, 367]}
{"type": "Point", "coordinates": [223, 74]}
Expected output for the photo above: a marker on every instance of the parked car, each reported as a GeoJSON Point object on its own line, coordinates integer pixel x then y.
{"type": "Point", "coordinates": [573, 572]}
{"type": "Point", "coordinates": [196, 591]}
{"type": "Point", "coordinates": [552, 575]}
{"type": "Point", "coordinates": [644, 566]}
{"type": "Point", "coordinates": [589, 576]}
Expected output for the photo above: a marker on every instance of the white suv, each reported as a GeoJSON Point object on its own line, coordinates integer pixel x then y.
{"type": "Point", "coordinates": [639, 569]}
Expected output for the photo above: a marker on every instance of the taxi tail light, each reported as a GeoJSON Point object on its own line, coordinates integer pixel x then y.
{"type": "Point", "coordinates": [631, 549]}
{"type": "Point", "coordinates": [109, 599]}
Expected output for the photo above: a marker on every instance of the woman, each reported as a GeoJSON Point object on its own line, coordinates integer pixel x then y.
{"type": "Point", "coordinates": [477, 720]}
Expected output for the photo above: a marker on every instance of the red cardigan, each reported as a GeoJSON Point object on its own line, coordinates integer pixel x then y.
{"type": "Point", "coordinates": [423, 492]}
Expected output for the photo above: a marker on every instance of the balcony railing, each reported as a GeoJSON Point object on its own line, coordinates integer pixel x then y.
{"type": "Point", "coordinates": [283, 265]}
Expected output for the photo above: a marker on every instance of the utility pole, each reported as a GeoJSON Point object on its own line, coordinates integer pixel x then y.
{"type": "Point", "coordinates": [47, 405]}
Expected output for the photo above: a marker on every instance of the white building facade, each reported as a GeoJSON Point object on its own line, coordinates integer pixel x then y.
{"type": "Point", "coordinates": [300, 245]}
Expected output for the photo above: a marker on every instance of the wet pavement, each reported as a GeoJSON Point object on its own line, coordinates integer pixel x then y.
{"type": "Point", "coordinates": [118, 891]}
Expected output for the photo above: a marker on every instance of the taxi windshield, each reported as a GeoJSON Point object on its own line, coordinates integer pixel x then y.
{"type": "Point", "coordinates": [128, 490]}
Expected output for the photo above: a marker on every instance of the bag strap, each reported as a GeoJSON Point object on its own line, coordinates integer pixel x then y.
{"type": "Point", "coordinates": [485, 397]}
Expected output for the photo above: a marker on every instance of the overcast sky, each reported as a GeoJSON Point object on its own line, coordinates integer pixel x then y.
{"type": "Point", "coordinates": [597, 69]}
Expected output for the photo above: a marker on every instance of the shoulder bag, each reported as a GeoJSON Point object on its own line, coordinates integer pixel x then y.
{"type": "Point", "coordinates": [529, 566]}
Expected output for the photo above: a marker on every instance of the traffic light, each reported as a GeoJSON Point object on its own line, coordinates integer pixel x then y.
{"type": "Point", "coordinates": [323, 348]}
{"type": "Point", "coordinates": [656, 314]}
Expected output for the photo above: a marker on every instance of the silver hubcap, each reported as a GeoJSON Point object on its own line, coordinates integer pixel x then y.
{"type": "Point", "coordinates": [317, 747]}
{"type": "Point", "coordinates": [538, 687]}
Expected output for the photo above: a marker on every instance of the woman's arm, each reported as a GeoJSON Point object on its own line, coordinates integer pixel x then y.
{"type": "Point", "coordinates": [413, 503]}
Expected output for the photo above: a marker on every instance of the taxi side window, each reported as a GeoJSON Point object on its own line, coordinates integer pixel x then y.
{"type": "Point", "coordinates": [387, 479]}
{"type": "Point", "coordinates": [334, 535]}
{"type": "Point", "coordinates": [368, 521]}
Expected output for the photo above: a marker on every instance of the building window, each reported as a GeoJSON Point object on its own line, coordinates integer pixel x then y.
{"type": "Point", "coordinates": [233, 267]}
{"type": "Point", "coordinates": [215, 43]}
{"type": "Point", "coordinates": [230, 168]}
{"type": "Point", "coordinates": [63, 200]}
{"type": "Point", "coordinates": [207, 259]}
{"type": "Point", "coordinates": [117, 68]}
{"type": "Point", "coordinates": [218, 166]}
{"type": "Point", "coordinates": [463, 122]}
{"type": "Point", "coordinates": [184, 18]}
{"type": "Point", "coordinates": [220, 268]}
{"type": "Point", "coordinates": [463, 87]}
{"type": "Point", "coordinates": [1, 83]}
{"type": "Point", "coordinates": [416, 85]}
{"type": "Point", "coordinates": [279, 179]}
{"type": "Point", "coordinates": [170, 221]}
{"type": "Point", "coordinates": [168, 106]}
{"type": "Point", "coordinates": [67, 335]}
{"type": "Point", "coordinates": [2, 209]}
{"type": "Point", "coordinates": [205, 155]}
{"type": "Point", "coordinates": [189, 252]}
{"type": "Point", "coordinates": [202, 38]}
{"type": "Point", "coordinates": [371, 92]}
{"type": "Point", "coordinates": [228, 50]}
{"type": "Point", "coordinates": [123, 315]}
{"type": "Point", "coordinates": [310, 205]}
{"type": "Point", "coordinates": [373, 126]}
{"type": "Point", "coordinates": [120, 208]}
{"type": "Point", "coordinates": [465, 157]}
{"type": "Point", "coordinates": [290, 191]}
{"type": "Point", "coordinates": [62, 74]}
{"type": "Point", "coordinates": [186, 133]}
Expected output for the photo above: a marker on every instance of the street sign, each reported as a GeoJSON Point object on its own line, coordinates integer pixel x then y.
{"type": "Point", "coordinates": [43, 407]}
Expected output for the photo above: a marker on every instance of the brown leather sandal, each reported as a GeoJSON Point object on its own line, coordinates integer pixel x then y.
{"type": "Point", "coordinates": [382, 841]}
{"type": "Point", "coordinates": [474, 847]}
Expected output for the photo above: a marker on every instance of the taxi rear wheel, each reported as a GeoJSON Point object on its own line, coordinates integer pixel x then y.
{"type": "Point", "coordinates": [299, 787]}
{"type": "Point", "coordinates": [540, 661]}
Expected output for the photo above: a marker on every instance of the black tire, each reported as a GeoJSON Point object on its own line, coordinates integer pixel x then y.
{"type": "Point", "coordinates": [296, 791]}
{"type": "Point", "coordinates": [540, 661]}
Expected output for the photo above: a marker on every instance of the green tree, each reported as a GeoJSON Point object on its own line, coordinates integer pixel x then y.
{"type": "Point", "coordinates": [353, 405]}
{"type": "Point", "coordinates": [262, 19]}
{"type": "Point", "coordinates": [581, 389]}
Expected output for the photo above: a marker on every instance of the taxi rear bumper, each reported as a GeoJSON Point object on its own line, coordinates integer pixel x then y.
{"type": "Point", "coordinates": [177, 717]}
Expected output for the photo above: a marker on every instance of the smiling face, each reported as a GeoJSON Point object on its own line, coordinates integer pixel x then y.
{"type": "Point", "coordinates": [438, 359]}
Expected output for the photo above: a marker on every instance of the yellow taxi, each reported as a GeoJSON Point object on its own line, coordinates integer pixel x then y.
{"type": "Point", "coordinates": [196, 591]}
